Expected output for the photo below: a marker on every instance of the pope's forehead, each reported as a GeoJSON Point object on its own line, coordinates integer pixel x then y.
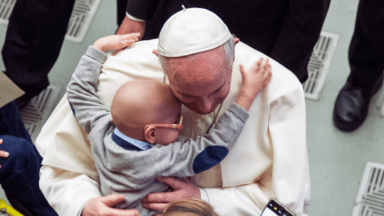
{"type": "Point", "coordinates": [206, 65]}
{"type": "Point", "coordinates": [199, 79]}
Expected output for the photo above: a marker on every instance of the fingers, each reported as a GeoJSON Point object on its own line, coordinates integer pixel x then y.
{"type": "Point", "coordinates": [267, 71]}
{"type": "Point", "coordinates": [1, 141]}
{"type": "Point", "coordinates": [120, 212]}
{"type": "Point", "coordinates": [155, 206]}
{"type": "Point", "coordinates": [266, 65]}
{"type": "Point", "coordinates": [175, 183]}
{"type": "Point", "coordinates": [161, 197]}
{"type": "Point", "coordinates": [112, 200]}
{"type": "Point", "coordinates": [134, 36]}
{"type": "Point", "coordinates": [4, 154]}
{"type": "Point", "coordinates": [186, 179]}
{"type": "Point", "coordinates": [242, 71]}
{"type": "Point", "coordinates": [257, 66]}
{"type": "Point", "coordinates": [127, 42]}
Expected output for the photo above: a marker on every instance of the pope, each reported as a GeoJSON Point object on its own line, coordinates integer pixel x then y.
{"type": "Point", "coordinates": [268, 160]}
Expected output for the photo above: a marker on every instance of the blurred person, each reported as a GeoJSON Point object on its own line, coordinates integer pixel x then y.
{"type": "Point", "coordinates": [19, 165]}
{"type": "Point", "coordinates": [34, 37]}
{"type": "Point", "coordinates": [286, 31]}
{"type": "Point", "coordinates": [366, 60]}
{"type": "Point", "coordinates": [189, 207]}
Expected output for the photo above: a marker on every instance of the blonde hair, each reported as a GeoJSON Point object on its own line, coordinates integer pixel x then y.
{"type": "Point", "coordinates": [189, 207]}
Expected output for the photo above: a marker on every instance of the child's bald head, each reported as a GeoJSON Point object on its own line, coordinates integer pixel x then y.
{"type": "Point", "coordinates": [140, 103]}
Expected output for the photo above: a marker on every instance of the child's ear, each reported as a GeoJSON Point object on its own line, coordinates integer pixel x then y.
{"type": "Point", "coordinates": [150, 134]}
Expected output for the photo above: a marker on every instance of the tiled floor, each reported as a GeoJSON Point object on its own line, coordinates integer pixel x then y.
{"type": "Point", "coordinates": [337, 159]}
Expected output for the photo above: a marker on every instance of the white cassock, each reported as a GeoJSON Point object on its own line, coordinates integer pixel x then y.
{"type": "Point", "coordinates": [269, 159]}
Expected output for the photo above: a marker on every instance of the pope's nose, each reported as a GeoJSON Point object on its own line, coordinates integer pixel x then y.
{"type": "Point", "coordinates": [205, 105]}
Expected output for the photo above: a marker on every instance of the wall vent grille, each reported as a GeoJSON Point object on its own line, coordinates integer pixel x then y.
{"type": "Point", "coordinates": [6, 7]}
{"type": "Point", "coordinates": [370, 197]}
{"type": "Point", "coordinates": [36, 113]}
{"type": "Point", "coordinates": [319, 64]}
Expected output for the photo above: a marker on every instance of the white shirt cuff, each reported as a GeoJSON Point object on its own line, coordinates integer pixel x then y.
{"type": "Point", "coordinates": [81, 210]}
{"type": "Point", "coordinates": [204, 195]}
{"type": "Point", "coordinates": [134, 18]}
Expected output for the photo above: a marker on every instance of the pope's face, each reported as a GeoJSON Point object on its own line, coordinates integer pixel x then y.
{"type": "Point", "coordinates": [201, 81]}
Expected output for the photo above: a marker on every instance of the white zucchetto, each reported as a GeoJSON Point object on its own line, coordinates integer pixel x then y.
{"type": "Point", "coordinates": [191, 31]}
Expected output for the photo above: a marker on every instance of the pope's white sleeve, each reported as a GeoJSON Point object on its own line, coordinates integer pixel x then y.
{"type": "Point", "coordinates": [67, 192]}
{"type": "Point", "coordinates": [231, 201]}
{"type": "Point", "coordinates": [289, 178]}
{"type": "Point", "coordinates": [287, 130]}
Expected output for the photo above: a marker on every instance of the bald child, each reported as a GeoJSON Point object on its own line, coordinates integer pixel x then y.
{"type": "Point", "coordinates": [134, 142]}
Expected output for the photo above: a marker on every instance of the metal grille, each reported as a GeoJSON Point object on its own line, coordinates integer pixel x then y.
{"type": "Point", "coordinates": [319, 64]}
{"type": "Point", "coordinates": [370, 199]}
{"type": "Point", "coordinates": [6, 7]}
{"type": "Point", "coordinates": [81, 17]}
{"type": "Point", "coordinates": [39, 109]}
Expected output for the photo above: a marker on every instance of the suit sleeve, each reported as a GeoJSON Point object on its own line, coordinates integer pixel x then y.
{"type": "Point", "coordinates": [142, 9]}
{"type": "Point", "coordinates": [299, 33]}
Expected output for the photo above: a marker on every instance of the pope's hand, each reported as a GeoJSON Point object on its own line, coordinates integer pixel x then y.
{"type": "Point", "coordinates": [3, 154]}
{"type": "Point", "coordinates": [184, 189]}
{"type": "Point", "coordinates": [116, 42]}
{"type": "Point", "coordinates": [131, 26]}
{"type": "Point", "coordinates": [103, 206]}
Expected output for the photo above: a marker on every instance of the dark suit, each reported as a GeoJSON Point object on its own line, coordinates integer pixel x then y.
{"type": "Point", "coordinates": [33, 40]}
{"type": "Point", "coordinates": [285, 30]}
{"type": "Point", "coordinates": [366, 51]}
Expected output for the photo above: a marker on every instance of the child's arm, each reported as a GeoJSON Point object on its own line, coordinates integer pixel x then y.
{"type": "Point", "coordinates": [81, 90]}
{"type": "Point", "coordinates": [195, 156]}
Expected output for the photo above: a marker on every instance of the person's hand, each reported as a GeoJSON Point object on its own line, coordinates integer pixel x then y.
{"type": "Point", "coordinates": [116, 42]}
{"type": "Point", "coordinates": [3, 154]}
{"type": "Point", "coordinates": [104, 206]}
{"type": "Point", "coordinates": [184, 189]}
{"type": "Point", "coordinates": [131, 26]}
{"type": "Point", "coordinates": [254, 81]}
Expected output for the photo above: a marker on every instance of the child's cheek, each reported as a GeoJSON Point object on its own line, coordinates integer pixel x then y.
{"type": "Point", "coordinates": [173, 136]}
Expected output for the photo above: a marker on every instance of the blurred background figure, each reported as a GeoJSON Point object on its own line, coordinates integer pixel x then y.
{"type": "Point", "coordinates": [366, 60]}
{"type": "Point", "coordinates": [20, 161]}
{"type": "Point", "coordinates": [189, 207]}
{"type": "Point", "coordinates": [34, 37]}
{"type": "Point", "coordinates": [286, 31]}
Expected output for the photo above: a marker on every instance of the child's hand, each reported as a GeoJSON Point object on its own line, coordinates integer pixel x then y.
{"type": "Point", "coordinates": [254, 81]}
{"type": "Point", "coordinates": [116, 42]}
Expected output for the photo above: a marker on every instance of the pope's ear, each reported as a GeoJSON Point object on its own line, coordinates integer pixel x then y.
{"type": "Point", "coordinates": [155, 52]}
{"type": "Point", "coordinates": [150, 134]}
{"type": "Point", "coordinates": [236, 40]}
